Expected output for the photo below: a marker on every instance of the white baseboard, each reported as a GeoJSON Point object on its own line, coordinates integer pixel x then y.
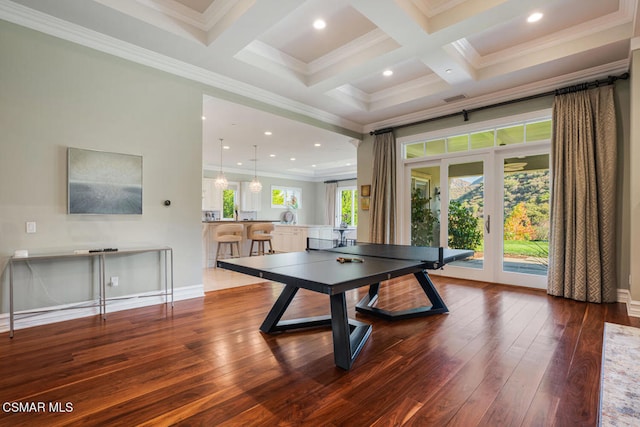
{"type": "Point", "coordinates": [44, 316]}
{"type": "Point", "coordinates": [633, 307]}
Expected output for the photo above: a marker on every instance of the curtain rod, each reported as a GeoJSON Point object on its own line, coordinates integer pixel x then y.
{"type": "Point", "coordinates": [465, 113]}
{"type": "Point", "coordinates": [339, 180]}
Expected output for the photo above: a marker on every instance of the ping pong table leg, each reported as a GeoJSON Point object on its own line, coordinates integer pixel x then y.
{"type": "Point", "coordinates": [367, 304]}
{"type": "Point", "coordinates": [347, 343]}
{"type": "Point", "coordinates": [438, 305]}
{"type": "Point", "coordinates": [278, 309]}
{"type": "Point", "coordinates": [370, 299]}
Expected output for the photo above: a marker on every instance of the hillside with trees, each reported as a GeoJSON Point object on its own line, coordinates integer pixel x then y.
{"type": "Point", "coordinates": [526, 214]}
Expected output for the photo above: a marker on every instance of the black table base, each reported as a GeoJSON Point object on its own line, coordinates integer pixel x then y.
{"type": "Point", "coordinates": [349, 336]}
{"type": "Point", "coordinates": [366, 304]}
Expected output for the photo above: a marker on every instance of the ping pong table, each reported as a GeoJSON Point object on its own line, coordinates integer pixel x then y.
{"type": "Point", "coordinates": [362, 265]}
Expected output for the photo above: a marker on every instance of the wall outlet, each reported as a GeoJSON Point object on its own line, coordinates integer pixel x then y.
{"type": "Point", "coordinates": [114, 281]}
{"type": "Point", "coordinates": [31, 227]}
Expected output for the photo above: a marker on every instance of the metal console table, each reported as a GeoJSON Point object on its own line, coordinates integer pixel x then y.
{"type": "Point", "coordinates": [102, 282]}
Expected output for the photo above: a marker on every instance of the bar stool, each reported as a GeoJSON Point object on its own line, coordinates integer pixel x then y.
{"type": "Point", "coordinates": [229, 234]}
{"type": "Point", "coordinates": [260, 233]}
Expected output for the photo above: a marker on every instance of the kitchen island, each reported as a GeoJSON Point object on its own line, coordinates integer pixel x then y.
{"type": "Point", "coordinates": [286, 237]}
{"type": "Point", "coordinates": [293, 237]}
{"type": "Point", "coordinates": [209, 246]}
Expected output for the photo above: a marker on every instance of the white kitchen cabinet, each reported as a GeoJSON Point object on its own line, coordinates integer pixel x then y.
{"type": "Point", "coordinates": [211, 195]}
{"type": "Point", "coordinates": [292, 238]}
{"type": "Point", "coordinates": [324, 233]}
{"type": "Point", "coordinates": [288, 238]}
{"type": "Point", "coordinates": [249, 201]}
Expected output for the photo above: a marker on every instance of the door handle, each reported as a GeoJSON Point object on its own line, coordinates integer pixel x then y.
{"type": "Point", "coordinates": [487, 224]}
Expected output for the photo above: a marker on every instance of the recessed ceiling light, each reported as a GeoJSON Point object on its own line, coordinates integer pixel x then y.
{"type": "Point", "coordinates": [226, 147]}
{"type": "Point", "coordinates": [534, 17]}
{"type": "Point", "coordinates": [348, 164]}
{"type": "Point", "coordinates": [239, 163]}
{"type": "Point", "coordinates": [313, 166]}
{"type": "Point", "coordinates": [387, 73]}
{"type": "Point", "coordinates": [204, 118]}
{"type": "Point", "coordinates": [319, 24]}
{"type": "Point", "coordinates": [268, 133]}
{"type": "Point", "coordinates": [272, 155]}
{"type": "Point", "coordinates": [317, 144]}
{"type": "Point", "coordinates": [293, 158]}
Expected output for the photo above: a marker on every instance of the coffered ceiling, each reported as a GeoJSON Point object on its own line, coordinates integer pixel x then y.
{"type": "Point", "coordinates": [444, 55]}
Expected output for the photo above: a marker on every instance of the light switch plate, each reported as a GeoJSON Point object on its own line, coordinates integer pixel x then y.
{"type": "Point", "coordinates": [31, 227]}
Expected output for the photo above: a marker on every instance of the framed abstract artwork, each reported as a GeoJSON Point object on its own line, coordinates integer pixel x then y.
{"type": "Point", "coordinates": [100, 182]}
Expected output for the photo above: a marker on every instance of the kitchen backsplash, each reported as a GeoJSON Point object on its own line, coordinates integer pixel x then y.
{"type": "Point", "coordinates": [242, 215]}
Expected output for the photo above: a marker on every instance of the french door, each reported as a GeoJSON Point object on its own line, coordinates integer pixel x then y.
{"type": "Point", "coordinates": [495, 203]}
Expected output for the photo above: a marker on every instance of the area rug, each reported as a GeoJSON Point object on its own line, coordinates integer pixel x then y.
{"type": "Point", "coordinates": [620, 385]}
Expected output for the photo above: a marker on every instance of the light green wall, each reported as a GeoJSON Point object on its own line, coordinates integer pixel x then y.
{"type": "Point", "coordinates": [622, 98]}
{"type": "Point", "coordinates": [54, 95]}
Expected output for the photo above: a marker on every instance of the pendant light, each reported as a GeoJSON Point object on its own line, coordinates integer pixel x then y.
{"type": "Point", "coordinates": [221, 181]}
{"type": "Point", "coordinates": [255, 186]}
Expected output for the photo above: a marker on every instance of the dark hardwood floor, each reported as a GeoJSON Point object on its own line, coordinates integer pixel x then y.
{"type": "Point", "coordinates": [503, 356]}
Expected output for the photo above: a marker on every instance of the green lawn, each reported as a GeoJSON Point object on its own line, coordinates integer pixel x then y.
{"type": "Point", "coordinates": [533, 248]}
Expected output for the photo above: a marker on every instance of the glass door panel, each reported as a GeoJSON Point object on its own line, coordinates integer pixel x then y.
{"type": "Point", "coordinates": [425, 206]}
{"type": "Point", "coordinates": [465, 213]}
{"type": "Point", "coordinates": [526, 192]}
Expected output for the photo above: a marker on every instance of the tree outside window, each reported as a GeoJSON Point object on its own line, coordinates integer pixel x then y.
{"type": "Point", "coordinates": [347, 206]}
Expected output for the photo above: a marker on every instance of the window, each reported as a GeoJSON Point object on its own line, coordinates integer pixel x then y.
{"type": "Point", "coordinates": [286, 197]}
{"type": "Point", "coordinates": [230, 201]}
{"type": "Point", "coordinates": [517, 133]}
{"type": "Point", "coordinates": [347, 206]}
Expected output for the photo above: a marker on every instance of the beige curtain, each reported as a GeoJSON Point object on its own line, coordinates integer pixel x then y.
{"type": "Point", "coordinates": [582, 249]}
{"type": "Point", "coordinates": [383, 190]}
{"type": "Point", "coordinates": [330, 203]}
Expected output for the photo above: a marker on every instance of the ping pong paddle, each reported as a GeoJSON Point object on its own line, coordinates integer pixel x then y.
{"type": "Point", "coordinates": [342, 260]}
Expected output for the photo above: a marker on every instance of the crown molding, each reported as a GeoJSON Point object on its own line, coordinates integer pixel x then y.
{"type": "Point", "coordinates": [274, 55]}
{"type": "Point", "coordinates": [371, 40]}
{"type": "Point", "coordinates": [307, 176]}
{"type": "Point", "coordinates": [205, 21]}
{"type": "Point", "coordinates": [429, 10]}
{"type": "Point", "coordinates": [401, 93]}
{"type": "Point", "coordinates": [414, 86]}
{"type": "Point", "coordinates": [258, 51]}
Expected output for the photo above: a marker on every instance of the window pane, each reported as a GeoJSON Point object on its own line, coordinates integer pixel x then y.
{"type": "Point", "coordinates": [277, 197]}
{"type": "Point", "coordinates": [228, 203]}
{"type": "Point", "coordinates": [435, 147]}
{"type": "Point", "coordinates": [425, 206]}
{"type": "Point", "coordinates": [466, 211]}
{"type": "Point", "coordinates": [539, 131]}
{"type": "Point", "coordinates": [482, 139]}
{"type": "Point", "coordinates": [510, 135]}
{"type": "Point", "coordinates": [458, 143]}
{"type": "Point", "coordinates": [415, 150]}
{"type": "Point", "coordinates": [348, 208]}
